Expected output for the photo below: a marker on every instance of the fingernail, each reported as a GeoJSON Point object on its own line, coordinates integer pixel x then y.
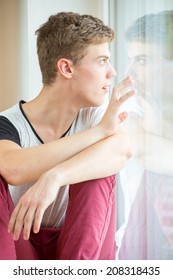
{"type": "Point", "coordinates": [15, 238]}
{"type": "Point", "coordinates": [36, 229]}
{"type": "Point", "coordinates": [25, 237]}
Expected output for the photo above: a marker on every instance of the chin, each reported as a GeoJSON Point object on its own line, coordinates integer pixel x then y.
{"type": "Point", "coordinates": [100, 102]}
{"type": "Point", "coordinates": [97, 104]}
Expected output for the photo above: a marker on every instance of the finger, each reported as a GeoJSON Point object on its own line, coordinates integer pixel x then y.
{"type": "Point", "coordinates": [28, 222]}
{"type": "Point", "coordinates": [123, 85]}
{"type": "Point", "coordinates": [123, 116]}
{"type": "Point", "coordinates": [38, 218]}
{"type": "Point", "coordinates": [18, 221]}
{"type": "Point", "coordinates": [11, 224]}
{"type": "Point", "coordinates": [120, 99]}
{"type": "Point", "coordinates": [128, 81]}
{"type": "Point", "coordinates": [116, 94]}
{"type": "Point", "coordinates": [121, 90]}
{"type": "Point", "coordinates": [166, 219]}
{"type": "Point", "coordinates": [165, 204]}
{"type": "Point", "coordinates": [127, 95]}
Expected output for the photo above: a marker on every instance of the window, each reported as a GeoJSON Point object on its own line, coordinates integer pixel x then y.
{"type": "Point", "coordinates": [144, 50]}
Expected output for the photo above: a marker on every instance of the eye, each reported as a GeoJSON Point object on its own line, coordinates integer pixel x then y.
{"type": "Point", "coordinates": [141, 60]}
{"type": "Point", "coordinates": [103, 61]}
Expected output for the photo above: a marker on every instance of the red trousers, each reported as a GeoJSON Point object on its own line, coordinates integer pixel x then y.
{"type": "Point", "coordinates": [88, 232]}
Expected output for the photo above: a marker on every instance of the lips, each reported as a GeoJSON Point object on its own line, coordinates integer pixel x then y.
{"type": "Point", "coordinates": [106, 87]}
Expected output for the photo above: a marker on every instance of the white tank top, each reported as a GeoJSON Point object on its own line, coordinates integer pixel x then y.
{"type": "Point", "coordinates": [55, 213]}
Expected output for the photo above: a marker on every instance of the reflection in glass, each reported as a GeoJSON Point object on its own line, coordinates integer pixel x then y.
{"type": "Point", "coordinates": [147, 181]}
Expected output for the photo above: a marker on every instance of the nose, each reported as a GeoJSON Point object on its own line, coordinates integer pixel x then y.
{"type": "Point", "coordinates": [111, 73]}
{"type": "Point", "coordinates": [130, 71]}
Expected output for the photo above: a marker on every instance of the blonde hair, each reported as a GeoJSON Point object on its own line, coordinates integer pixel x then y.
{"type": "Point", "coordinates": [67, 35]}
{"type": "Point", "coordinates": [154, 28]}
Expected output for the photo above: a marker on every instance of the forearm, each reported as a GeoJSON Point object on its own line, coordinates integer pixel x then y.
{"type": "Point", "coordinates": [102, 159]}
{"type": "Point", "coordinates": [154, 152]}
{"type": "Point", "coordinates": [157, 155]}
{"type": "Point", "coordinates": [19, 166]}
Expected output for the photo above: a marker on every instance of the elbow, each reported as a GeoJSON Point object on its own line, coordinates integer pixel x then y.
{"type": "Point", "coordinates": [14, 181]}
{"type": "Point", "coordinates": [122, 160]}
{"type": "Point", "coordinates": [119, 160]}
{"type": "Point", "coordinates": [126, 148]}
{"type": "Point", "coordinates": [12, 170]}
{"type": "Point", "coordinates": [12, 177]}
{"type": "Point", "coordinates": [129, 153]}
{"type": "Point", "coordinates": [121, 155]}
{"type": "Point", "coordinates": [126, 154]}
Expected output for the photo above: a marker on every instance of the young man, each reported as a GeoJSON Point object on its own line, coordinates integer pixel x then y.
{"type": "Point", "coordinates": [65, 136]}
{"type": "Point", "coordinates": [147, 231]}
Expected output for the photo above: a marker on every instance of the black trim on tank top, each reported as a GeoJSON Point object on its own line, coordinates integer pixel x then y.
{"type": "Point", "coordinates": [34, 131]}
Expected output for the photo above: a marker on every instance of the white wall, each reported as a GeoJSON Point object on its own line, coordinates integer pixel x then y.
{"type": "Point", "coordinates": [19, 70]}
{"type": "Point", "coordinates": [9, 52]}
{"type": "Point", "coordinates": [33, 14]}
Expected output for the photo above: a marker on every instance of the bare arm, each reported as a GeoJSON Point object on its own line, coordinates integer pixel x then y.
{"type": "Point", "coordinates": [154, 152]}
{"type": "Point", "coordinates": [19, 166]}
{"type": "Point", "coordinates": [157, 155]}
{"type": "Point", "coordinates": [102, 159]}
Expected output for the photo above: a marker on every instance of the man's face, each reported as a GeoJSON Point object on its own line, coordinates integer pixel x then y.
{"type": "Point", "coordinates": [152, 73]}
{"type": "Point", "coordinates": [92, 76]}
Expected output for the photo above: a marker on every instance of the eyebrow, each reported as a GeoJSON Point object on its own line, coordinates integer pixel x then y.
{"type": "Point", "coordinates": [138, 56]}
{"type": "Point", "coordinates": [103, 56]}
{"type": "Point", "coordinates": [141, 56]}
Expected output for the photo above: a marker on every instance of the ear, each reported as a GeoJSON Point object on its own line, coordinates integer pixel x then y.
{"type": "Point", "coordinates": [65, 67]}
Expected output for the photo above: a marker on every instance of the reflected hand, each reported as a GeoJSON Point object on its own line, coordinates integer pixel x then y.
{"type": "Point", "coordinates": [164, 210]}
{"type": "Point", "coordinates": [151, 121]}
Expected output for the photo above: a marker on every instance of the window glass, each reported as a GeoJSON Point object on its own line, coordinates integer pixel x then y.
{"type": "Point", "coordinates": [144, 50]}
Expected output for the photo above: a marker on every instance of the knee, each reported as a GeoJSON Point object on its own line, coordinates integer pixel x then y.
{"type": "Point", "coordinates": [96, 187]}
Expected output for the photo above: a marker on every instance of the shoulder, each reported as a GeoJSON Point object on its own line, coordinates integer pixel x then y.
{"type": "Point", "coordinates": [16, 117]}
{"type": "Point", "coordinates": [11, 123]}
{"type": "Point", "coordinates": [12, 112]}
{"type": "Point", "coordinates": [7, 130]}
{"type": "Point", "coordinates": [13, 117]}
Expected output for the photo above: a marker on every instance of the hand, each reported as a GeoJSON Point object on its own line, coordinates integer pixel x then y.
{"type": "Point", "coordinates": [164, 210]}
{"type": "Point", "coordinates": [112, 118]}
{"type": "Point", "coordinates": [151, 120]}
{"type": "Point", "coordinates": [29, 211]}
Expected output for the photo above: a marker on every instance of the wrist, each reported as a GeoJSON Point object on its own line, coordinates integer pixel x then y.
{"type": "Point", "coordinates": [53, 176]}
{"type": "Point", "coordinates": [102, 131]}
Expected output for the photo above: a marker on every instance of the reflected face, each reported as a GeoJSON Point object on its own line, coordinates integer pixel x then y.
{"type": "Point", "coordinates": [153, 74]}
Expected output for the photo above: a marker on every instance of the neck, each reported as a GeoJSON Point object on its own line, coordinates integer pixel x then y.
{"type": "Point", "coordinates": [51, 113]}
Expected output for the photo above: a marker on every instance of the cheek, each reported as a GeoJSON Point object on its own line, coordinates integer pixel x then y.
{"type": "Point", "coordinates": [154, 76]}
{"type": "Point", "coordinates": [149, 75]}
{"type": "Point", "coordinates": [89, 77]}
